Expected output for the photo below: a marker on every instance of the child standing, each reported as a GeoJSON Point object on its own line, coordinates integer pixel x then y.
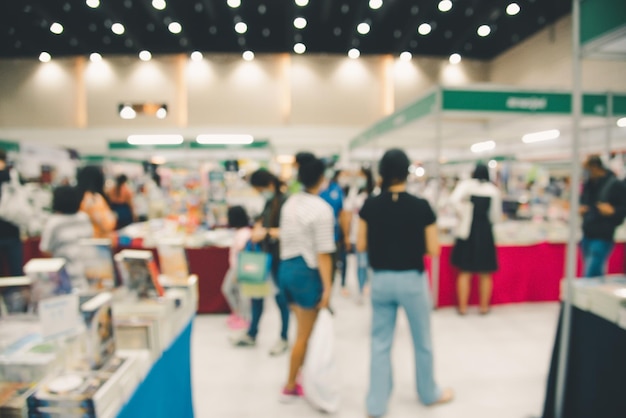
{"type": "Point", "coordinates": [64, 229]}
{"type": "Point", "coordinates": [239, 306]}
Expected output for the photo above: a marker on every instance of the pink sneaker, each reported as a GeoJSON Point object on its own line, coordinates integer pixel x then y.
{"type": "Point", "coordinates": [239, 323]}
{"type": "Point", "coordinates": [232, 321]}
{"type": "Point", "coordinates": [289, 396]}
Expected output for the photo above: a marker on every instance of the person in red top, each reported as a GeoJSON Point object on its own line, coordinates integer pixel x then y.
{"type": "Point", "coordinates": [121, 201]}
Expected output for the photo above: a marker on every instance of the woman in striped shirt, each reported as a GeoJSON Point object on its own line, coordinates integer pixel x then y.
{"type": "Point", "coordinates": [306, 246]}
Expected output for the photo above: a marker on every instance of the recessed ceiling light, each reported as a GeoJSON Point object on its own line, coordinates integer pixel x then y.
{"type": "Point", "coordinates": [376, 4]}
{"type": "Point", "coordinates": [161, 113]}
{"type": "Point", "coordinates": [493, 164]}
{"type": "Point", "coordinates": [483, 30]}
{"type": "Point", "coordinates": [44, 57]}
{"type": "Point", "coordinates": [93, 3]}
{"type": "Point", "coordinates": [406, 56]}
{"type": "Point", "coordinates": [445, 5]}
{"type": "Point", "coordinates": [118, 28]}
{"type": "Point", "coordinates": [248, 55]}
{"type": "Point", "coordinates": [363, 28]}
{"type": "Point", "coordinates": [175, 27]}
{"type": "Point", "coordinates": [299, 48]}
{"type": "Point", "coordinates": [512, 9]}
{"type": "Point", "coordinates": [424, 29]}
{"type": "Point", "coordinates": [234, 3]}
{"type": "Point", "coordinates": [299, 23]}
{"type": "Point", "coordinates": [196, 56]}
{"type": "Point", "coordinates": [241, 27]}
{"type": "Point", "coordinates": [621, 122]}
{"type": "Point", "coordinates": [95, 57]}
{"type": "Point", "coordinates": [56, 28]}
{"type": "Point", "coordinates": [127, 112]}
{"type": "Point", "coordinates": [145, 55]}
{"type": "Point", "coordinates": [354, 53]}
{"type": "Point", "coordinates": [302, 3]}
{"type": "Point", "coordinates": [159, 4]}
{"type": "Point", "coordinates": [455, 58]}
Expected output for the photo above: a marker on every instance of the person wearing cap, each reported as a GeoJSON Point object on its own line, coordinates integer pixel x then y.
{"type": "Point", "coordinates": [603, 209]}
{"type": "Point", "coordinates": [397, 230]}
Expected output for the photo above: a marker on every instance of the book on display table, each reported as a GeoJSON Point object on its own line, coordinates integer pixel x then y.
{"type": "Point", "coordinates": [173, 260]}
{"type": "Point", "coordinates": [15, 295]}
{"type": "Point", "coordinates": [100, 342]}
{"type": "Point", "coordinates": [49, 278]}
{"type": "Point", "coordinates": [139, 272]}
{"type": "Point", "coordinates": [96, 256]}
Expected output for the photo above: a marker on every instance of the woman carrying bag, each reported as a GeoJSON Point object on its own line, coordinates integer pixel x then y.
{"type": "Point", "coordinates": [397, 230]}
{"type": "Point", "coordinates": [266, 234]}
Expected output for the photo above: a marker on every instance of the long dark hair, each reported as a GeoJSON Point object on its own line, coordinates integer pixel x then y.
{"type": "Point", "coordinates": [481, 173]}
{"type": "Point", "coordinates": [393, 168]}
{"type": "Point", "coordinates": [90, 179]}
{"type": "Point", "coordinates": [119, 182]}
{"type": "Point", "coordinates": [263, 178]}
{"type": "Point", "coordinates": [369, 186]}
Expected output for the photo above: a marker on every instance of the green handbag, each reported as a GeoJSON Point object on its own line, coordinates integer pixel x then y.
{"type": "Point", "coordinates": [253, 265]}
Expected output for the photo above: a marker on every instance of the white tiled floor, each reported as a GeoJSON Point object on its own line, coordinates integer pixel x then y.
{"type": "Point", "coordinates": [496, 364]}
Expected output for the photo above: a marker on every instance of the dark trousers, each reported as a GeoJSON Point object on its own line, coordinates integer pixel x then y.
{"type": "Point", "coordinates": [11, 256]}
{"type": "Point", "coordinates": [257, 306]}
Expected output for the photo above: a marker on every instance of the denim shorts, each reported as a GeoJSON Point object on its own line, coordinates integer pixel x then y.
{"type": "Point", "coordinates": [300, 284]}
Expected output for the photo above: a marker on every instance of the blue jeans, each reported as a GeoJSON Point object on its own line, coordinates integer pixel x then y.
{"type": "Point", "coordinates": [11, 252]}
{"type": "Point", "coordinates": [596, 253]}
{"type": "Point", "coordinates": [258, 304]}
{"type": "Point", "coordinates": [391, 290]}
{"type": "Point", "coordinates": [362, 269]}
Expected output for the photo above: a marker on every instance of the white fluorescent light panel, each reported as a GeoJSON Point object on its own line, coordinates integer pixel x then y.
{"type": "Point", "coordinates": [483, 146]}
{"type": "Point", "coordinates": [541, 136]}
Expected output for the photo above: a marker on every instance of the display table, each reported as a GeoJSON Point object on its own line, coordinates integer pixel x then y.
{"type": "Point", "coordinates": [596, 369]}
{"type": "Point", "coordinates": [527, 273]}
{"type": "Point", "coordinates": [166, 390]}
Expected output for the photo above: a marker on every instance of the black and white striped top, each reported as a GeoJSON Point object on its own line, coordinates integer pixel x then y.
{"type": "Point", "coordinates": [306, 228]}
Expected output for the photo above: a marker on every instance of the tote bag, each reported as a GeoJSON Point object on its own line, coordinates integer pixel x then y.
{"type": "Point", "coordinates": [253, 271]}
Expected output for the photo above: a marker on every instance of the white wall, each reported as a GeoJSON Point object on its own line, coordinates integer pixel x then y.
{"type": "Point", "coordinates": [545, 61]}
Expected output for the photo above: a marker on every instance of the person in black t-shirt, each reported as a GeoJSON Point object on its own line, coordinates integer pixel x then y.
{"type": "Point", "coordinates": [397, 230]}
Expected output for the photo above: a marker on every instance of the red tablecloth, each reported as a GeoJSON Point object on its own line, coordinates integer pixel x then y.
{"type": "Point", "coordinates": [526, 273]}
{"type": "Point", "coordinates": [210, 264]}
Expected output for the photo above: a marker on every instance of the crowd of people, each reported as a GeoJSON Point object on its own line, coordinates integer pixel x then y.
{"type": "Point", "coordinates": [309, 231]}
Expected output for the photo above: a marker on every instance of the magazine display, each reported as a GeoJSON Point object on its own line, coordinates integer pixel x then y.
{"type": "Point", "coordinates": [13, 396]}
{"type": "Point", "coordinates": [49, 278]}
{"type": "Point", "coordinates": [15, 295]}
{"type": "Point", "coordinates": [98, 316]}
{"type": "Point", "coordinates": [173, 260]}
{"type": "Point", "coordinates": [97, 259]}
{"type": "Point", "coordinates": [139, 272]}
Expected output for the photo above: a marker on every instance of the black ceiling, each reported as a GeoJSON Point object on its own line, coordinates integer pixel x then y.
{"type": "Point", "coordinates": [208, 26]}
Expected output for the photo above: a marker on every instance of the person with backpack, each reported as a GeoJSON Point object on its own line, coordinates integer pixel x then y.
{"type": "Point", "coordinates": [603, 209]}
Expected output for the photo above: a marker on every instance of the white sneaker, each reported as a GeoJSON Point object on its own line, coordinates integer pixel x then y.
{"type": "Point", "coordinates": [243, 340]}
{"type": "Point", "coordinates": [279, 348]}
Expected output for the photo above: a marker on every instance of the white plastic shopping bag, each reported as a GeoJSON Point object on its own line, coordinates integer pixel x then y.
{"type": "Point", "coordinates": [319, 374]}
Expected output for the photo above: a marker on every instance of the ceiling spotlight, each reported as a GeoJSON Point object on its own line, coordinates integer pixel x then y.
{"type": "Point", "coordinates": [127, 112]}
{"type": "Point", "coordinates": [161, 113]}
{"type": "Point", "coordinates": [248, 55]}
{"type": "Point", "coordinates": [621, 122]}
{"type": "Point", "coordinates": [493, 164]}
{"type": "Point", "coordinates": [363, 28]}
{"type": "Point", "coordinates": [117, 28]}
{"type": "Point", "coordinates": [483, 147]}
{"type": "Point", "coordinates": [196, 56]}
{"type": "Point", "coordinates": [455, 58]}
{"type": "Point", "coordinates": [512, 9]}
{"type": "Point", "coordinates": [302, 3]}
{"type": "Point", "coordinates": [145, 55]}
{"type": "Point", "coordinates": [158, 4]}
{"type": "Point", "coordinates": [299, 48]}
{"type": "Point", "coordinates": [354, 53]}
{"type": "Point", "coordinates": [234, 3]}
{"type": "Point", "coordinates": [44, 57]}
{"type": "Point", "coordinates": [56, 28]}
{"type": "Point", "coordinates": [376, 4]}
{"type": "Point", "coordinates": [299, 23]}
{"type": "Point", "coordinates": [483, 30]}
{"type": "Point", "coordinates": [541, 136]}
{"type": "Point", "coordinates": [241, 27]}
{"type": "Point", "coordinates": [93, 3]}
{"type": "Point", "coordinates": [445, 5]}
{"type": "Point", "coordinates": [175, 27]}
{"type": "Point", "coordinates": [95, 57]}
{"type": "Point", "coordinates": [406, 56]}
{"type": "Point", "coordinates": [424, 29]}
{"type": "Point", "coordinates": [420, 171]}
